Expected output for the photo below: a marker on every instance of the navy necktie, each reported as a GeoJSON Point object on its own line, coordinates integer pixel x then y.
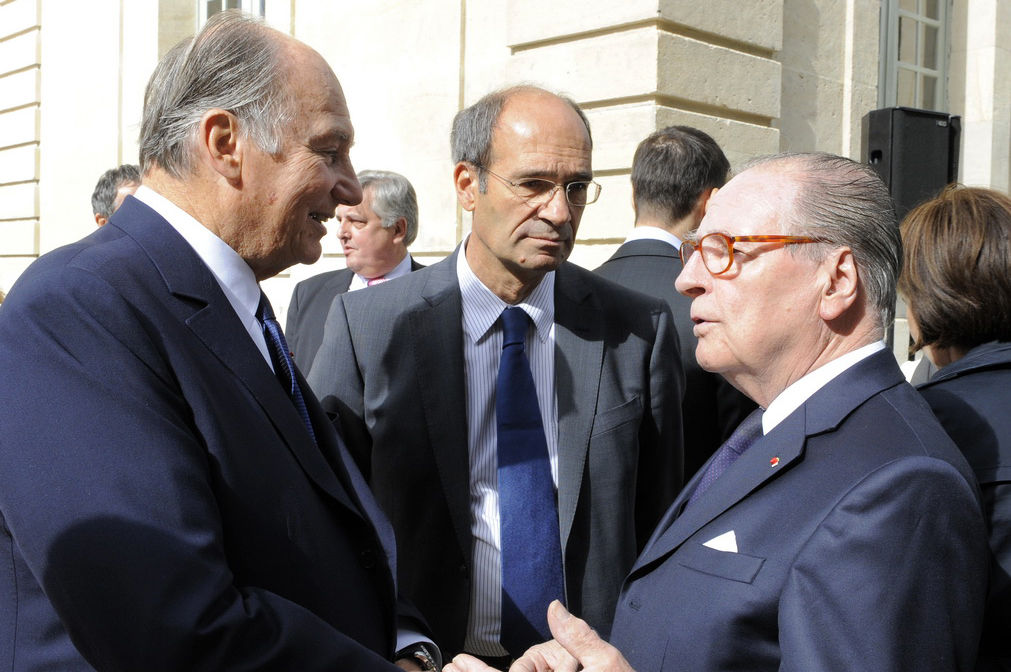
{"type": "Point", "coordinates": [746, 435]}
{"type": "Point", "coordinates": [284, 368]}
{"type": "Point", "coordinates": [528, 511]}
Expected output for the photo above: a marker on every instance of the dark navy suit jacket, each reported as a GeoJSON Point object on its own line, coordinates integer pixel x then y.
{"type": "Point", "coordinates": [972, 399]}
{"type": "Point", "coordinates": [861, 546]}
{"type": "Point", "coordinates": [163, 506]}
{"type": "Point", "coordinates": [712, 407]}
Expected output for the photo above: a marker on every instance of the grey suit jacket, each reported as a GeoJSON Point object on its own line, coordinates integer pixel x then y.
{"type": "Point", "coordinates": [391, 367]}
{"type": "Point", "coordinates": [714, 406]}
{"type": "Point", "coordinates": [310, 303]}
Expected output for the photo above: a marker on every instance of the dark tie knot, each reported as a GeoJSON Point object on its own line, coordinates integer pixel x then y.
{"type": "Point", "coordinates": [514, 326]}
{"type": "Point", "coordinates": [264, 311]}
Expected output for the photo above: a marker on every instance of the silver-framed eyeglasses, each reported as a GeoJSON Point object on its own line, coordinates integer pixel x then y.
{"type": "Point", "coordinates": [717, 249]}
{"type": "Point", "coordinates": [537, 191]}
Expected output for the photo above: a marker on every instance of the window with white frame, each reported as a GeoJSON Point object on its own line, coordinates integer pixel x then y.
{"type": "Point", "coordinates": [208, 8]}
{"type": "Point", "coordinates": [914, 43]}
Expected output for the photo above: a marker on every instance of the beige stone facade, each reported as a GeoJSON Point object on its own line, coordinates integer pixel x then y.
{"type": "Point", "coordinates": [759, 75]}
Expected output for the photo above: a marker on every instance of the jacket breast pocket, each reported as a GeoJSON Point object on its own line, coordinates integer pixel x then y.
{"type": "Point", "coordinates": [734, 566]}
{"type": "Point", "coordinates": [607, 420]}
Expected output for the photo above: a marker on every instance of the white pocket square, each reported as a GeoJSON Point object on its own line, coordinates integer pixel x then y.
{"type": "Point", "coordinates": [726, 542]}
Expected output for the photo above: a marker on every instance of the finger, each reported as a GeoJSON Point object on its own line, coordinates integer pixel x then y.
{"type": "Point", "coordinates": [465, 663]}
{"type": "Point", "coordinates": [546, 657]}
{"type": "Point", "coordinates": [582, 641]}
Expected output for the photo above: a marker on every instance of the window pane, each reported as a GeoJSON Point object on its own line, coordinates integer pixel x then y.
{"type": "Point", "coordinates": [907, 40]}
{"type": "Point", "coordinates": [213, 7]}
{"type": "Point", "coordinates": [906, 94]}
{"type": "Point", "coordinates": [908, 5]}
{"type": "Point", "coordinates": [930, 47]}
{"type": "Point", "coordinates": [233, 4]}
{"type": "Point", "coordinates": [929, 94]}
{"type": "Point", "coordinates": [932, 9]}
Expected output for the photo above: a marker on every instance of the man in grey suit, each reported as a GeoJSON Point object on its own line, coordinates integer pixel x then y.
{"type": "Point", "coordinates": [674, 173]}
{"type": "Point", "coordinates": [412, 370]}
{"type": "Point", "coordinates": [374, 235]}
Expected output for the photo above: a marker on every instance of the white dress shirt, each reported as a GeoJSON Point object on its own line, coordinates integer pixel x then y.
{"type": "Point", "coordinates": [803, 389]}
{"type": "Point", "coordinates": [233, 274]}
{"type": "Point", "coordinates": [400, 270]}
{"type": "Point", "coordinates": [482, 350]}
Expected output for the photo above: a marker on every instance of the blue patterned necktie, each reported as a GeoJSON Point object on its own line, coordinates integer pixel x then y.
{"type": "Point", "coordinates": [528, 511]}
{"type": "Point", "coordinates": [280, 355]}
{"type": "Point", "coordinates": [746, 435]}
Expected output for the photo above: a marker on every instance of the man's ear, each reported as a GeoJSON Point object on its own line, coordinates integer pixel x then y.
{"type": "Point", "coordinates": [100, 219]}
{"type": "Point", "coordinates": [705, 198]}
{"type": "Point", "coordinates": [399, 230]}
{"type": "Point", "coordinates": [840, 284]}
{"type": "Point", "coordinates": [466, 180]}
{"type": "Point", "coordinates": [220, 145]}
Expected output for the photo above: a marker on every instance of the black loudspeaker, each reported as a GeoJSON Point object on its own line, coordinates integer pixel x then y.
{"type": "Point", "coordinates": [914, 151]}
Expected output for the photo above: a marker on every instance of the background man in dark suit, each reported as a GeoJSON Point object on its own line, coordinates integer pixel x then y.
{"type": "Point", "coordinates": [674, 173]}
{"type": "Point", "coordinates": [375, 235]}
{"type": "Point", "coordinates": [845, 532]}
{"type": "Point", "coordinates": [112, 188]}
{"type": "Point", "coordinates": [168, 501]}
{"type": "Point", "coordinates": [411, 367]}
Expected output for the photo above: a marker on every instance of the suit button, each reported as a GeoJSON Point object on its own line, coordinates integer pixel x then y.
{"type": "Point", "coordinates": [367, 559]}
{"type": "Point", "coordinates": [463, 570]}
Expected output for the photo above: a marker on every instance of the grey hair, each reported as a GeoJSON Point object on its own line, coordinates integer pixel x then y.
{"type": "Point", "coordinates": [233, 63]}
{"type": "Point", "coordinates": [845, 203]}
{"type": "Point", "coordinates": [393, 197]}
{"type": "Point", "coordinates": [473, 127]}
{"type": "Point", "coordinates": [103, 199]}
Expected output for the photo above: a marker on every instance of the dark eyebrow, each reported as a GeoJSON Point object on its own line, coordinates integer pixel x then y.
{"type": "Point", "coordinates": [533, 174]}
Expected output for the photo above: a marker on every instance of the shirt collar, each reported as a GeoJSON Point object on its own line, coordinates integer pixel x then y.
{"type": "Point", "coordinates": [233, 274]}
{"type": "Point", "coordinates": [398, 271]}
{"type": "Point", "coordinates": [481, 307]}
{"type": "Point", "coordinates": [801, 390]}
{"type": "Point", "coordinates": [654, 233]}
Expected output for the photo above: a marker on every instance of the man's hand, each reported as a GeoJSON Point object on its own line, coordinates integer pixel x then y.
{"type": "Point", "coordinates": [465, 663]}
{"type": "Point", "coordinates": [576, 647]}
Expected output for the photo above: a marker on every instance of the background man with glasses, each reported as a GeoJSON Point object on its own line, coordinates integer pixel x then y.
{"type": "Point", "coordinates": [412, 368]}
{"type": "Point", "coordinates": [841, 530]}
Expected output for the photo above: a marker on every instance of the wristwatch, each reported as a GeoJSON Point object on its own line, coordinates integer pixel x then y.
{"type": "Point", "coordinates": [420, 653]}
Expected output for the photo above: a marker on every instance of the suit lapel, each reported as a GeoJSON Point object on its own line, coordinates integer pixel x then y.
{"type": "Point", "coordinates": [750, 472]}
{"type": "Point", "coordinates": [206, 311]}
{"type": "Point", "coordinates": [773, 455]}
{"type": "Point", "coordinates": [579, 351]}
{"type": "Point", "coordinates": [353, 483]}
{"type": "Point", "coordinates": [437, 340]}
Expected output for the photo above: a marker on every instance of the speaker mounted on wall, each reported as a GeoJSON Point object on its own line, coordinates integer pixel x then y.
{"type": "Point", "coordinates": [914, 151]}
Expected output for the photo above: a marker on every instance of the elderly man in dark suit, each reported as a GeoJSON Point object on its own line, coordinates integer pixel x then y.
{"type": "Point", "coordinates": [517, 417]}
{"type": "Point", "coordinates": [172, 495]}
{"type": "Point", "coordinates": [675, 171]}
{"type": "Point", "coordinates": [374, 235]}
{"type": "Point", "coordinates": [838, 529]}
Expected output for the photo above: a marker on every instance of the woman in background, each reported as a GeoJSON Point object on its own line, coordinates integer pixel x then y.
{"type": "Point", "coordinates": [956, 280]}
